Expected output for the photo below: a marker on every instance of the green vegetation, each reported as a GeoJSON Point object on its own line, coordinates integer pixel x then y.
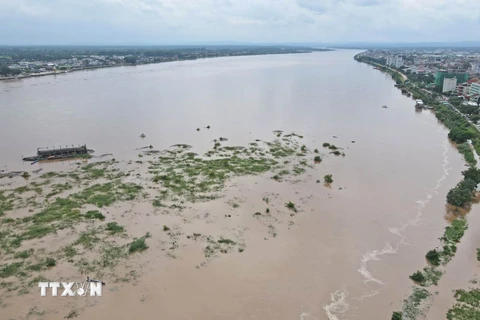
{"type": "Point", "coordinates": [114, 228]}
{"type": "Point", "coordinates": [23, 254]}
{"type": "Point", "coordinates": [137, 245]}
{"type": "Point", "coordinates": [464, 192]}
{"type": "Point", "coordinates": [434, 257]}
{"type": "Point", "coordinates": [12, 269]}
{"type": "Point", "coordinates": [466, 150]}
{"type": "Point", "coordinates": [467, 306]}
{"type": "Point", "coordinates": [412, 308]}
{"type": "Point", "coordinates": [290, 205]}
{"type": "Point", "coordinates": [50, 262]}
{"type": "Point", "coordinates": [317, 159]}
{"type": "Point", "coordinates": [478, 254]}
{"type": "Point", "coordinates": [88, 239]}
{"type": "Point", "coordinates": [328, 178]}
{"type": "Point", "coordinates": [94, 214]}
{"type": "Point", "coordinates": [397, 315]}
{"type": "Point", "coordinates": [418, 277]}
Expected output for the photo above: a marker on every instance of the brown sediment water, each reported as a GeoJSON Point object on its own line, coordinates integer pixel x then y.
{"type": "Point", "coordinates": [348, 252]}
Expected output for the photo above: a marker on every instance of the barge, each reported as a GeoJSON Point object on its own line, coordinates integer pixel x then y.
{"type": "Point", "coordinates": [60, 153]}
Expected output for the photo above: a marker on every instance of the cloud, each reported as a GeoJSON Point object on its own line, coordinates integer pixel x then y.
{"type": "Point", "coordinates": [183, 21]}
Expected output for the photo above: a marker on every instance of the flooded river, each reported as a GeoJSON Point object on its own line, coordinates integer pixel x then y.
{"type": "Point", "coordinates": [350, 251]}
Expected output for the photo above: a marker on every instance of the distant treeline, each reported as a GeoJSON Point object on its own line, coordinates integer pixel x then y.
{"type": "Point", "coordinates": [42, 53]}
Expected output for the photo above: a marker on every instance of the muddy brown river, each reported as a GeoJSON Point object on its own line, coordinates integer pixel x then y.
{"type": "Point", "coordinates": [348, 254]}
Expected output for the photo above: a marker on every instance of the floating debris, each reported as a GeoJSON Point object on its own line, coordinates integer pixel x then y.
{"type": "Point", "coordinates": [152, 152]}
{"type": "Point", "coordinates": [142, 135]}
{"type": "Point", "coordinates": [208, 127]}
{"type": "Point", "coordinates": [223, 139]}
{"type": "Point", "coordinates": [198, 129]}
{"type": "Point", "coordinates": [183, 146]}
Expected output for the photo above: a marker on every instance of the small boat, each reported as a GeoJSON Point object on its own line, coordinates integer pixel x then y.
{"type": "Point", "coordinates": [92, 280]}
{"type": "Point", "coordinates": [384, 107]}
{"type": "Point", "coordinates": [61, 153]}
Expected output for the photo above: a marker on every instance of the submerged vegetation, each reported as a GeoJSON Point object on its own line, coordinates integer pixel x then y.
{"type": "Point", "coordinates": [328, 178]}
{"type": "Point", "coordinates": [78, 203]}
{"type": "Point", "coordinates": [467, 305]}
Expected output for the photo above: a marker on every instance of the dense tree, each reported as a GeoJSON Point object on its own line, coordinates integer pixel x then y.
{"type": "Point", "coordinates": [130, 60]}
{"type": "Point", "coordinates": [459, 197]}
{"type": "Point", "coordinates": [433, 256]}
{"type": "Point", "coordinates": [472, 174]}
{"type": "Point", "coordinates": [459, 134]}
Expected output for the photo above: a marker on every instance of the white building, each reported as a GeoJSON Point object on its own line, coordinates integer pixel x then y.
{"type": "Point", "coordinates": [398, 62]}
{"type": "Point", "coordinates": [474, 89]}
{"type": "Point", "coordinates": [390, 61]}
{"type": "Point", "coordinates": [449, 84]}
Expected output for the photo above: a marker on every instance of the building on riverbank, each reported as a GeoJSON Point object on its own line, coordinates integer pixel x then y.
{"type": "Point", "coordinates": [460, 75]}
{"type": "Point", "coordinates": [449, 84]}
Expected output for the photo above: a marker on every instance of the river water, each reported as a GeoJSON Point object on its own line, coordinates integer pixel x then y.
{"type": "Point", "coordinates": [351, 252]}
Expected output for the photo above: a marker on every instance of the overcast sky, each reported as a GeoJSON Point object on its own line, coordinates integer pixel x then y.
{"type": "Point", "coordinates": [265, 21]}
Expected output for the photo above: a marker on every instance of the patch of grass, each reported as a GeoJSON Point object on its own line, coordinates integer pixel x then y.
{"type": "Point", "coordinates": [137, 245]}
{"type": "Point", "coordinates": [36, 231]}
{"type": "Point", "coordinates": [21, 189]}
{"type": "Point", "coordinates": [256, 214]}
{"type": "Point", "coordinates": [298, 170]}
{"type": "Point", "coordinates": [50, 262]}
{"type": "Point", "coordinates": [59, 188]}
{"type": "Point", "coordinates": [72, 314]}
{"type": "Point", "coordinates": [23, 254]}
{"type": "Point", "coordinates": [478, 254]}
{"type": "Point", "coordinates": [103, 195]}
{"type": "Point", "coordinates": [166, 228]}
{"type": "Point", "coordinates": [88, 239]}
{"type": "Point", "coordinates": [317, 159]}
{"type": "Point", "coordinates": [94, 214]}
{"type": "Point", "coordinates": [396, 315]}
{"type": "Point", "coordinates": [412, 307]}
{"type": "Point", "coordinates": [328, 178]}
{"type": "Point", "coordinates": [227, 241]}
{"type": "Point", "coordinates": [70, 251]}
{"type": "Point", "coordinates": [12, 269]}
{"type": "Point", "coordinates": [326, 145]}
{"type": "Point", "coordinates": [114, 228]}
{"type": "Point", "coordinates": [290, 205]}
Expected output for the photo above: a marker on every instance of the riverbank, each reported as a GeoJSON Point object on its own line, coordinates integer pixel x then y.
{"type": "Point", "coordinates": [130, 60]}
{"type": "Point", "coordinates": [459, 201]}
